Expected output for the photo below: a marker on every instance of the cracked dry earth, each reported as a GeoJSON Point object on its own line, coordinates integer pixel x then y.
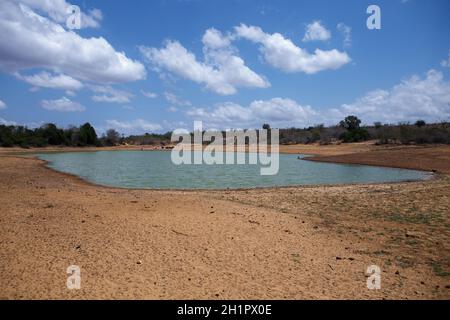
{"type": "Point", "coordinates": [286, 243]}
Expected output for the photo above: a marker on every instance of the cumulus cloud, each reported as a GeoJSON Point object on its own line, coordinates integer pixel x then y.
{"type": "Point", "coordinates": [58, 10]}
{"type": "Point", "coordinates": [31, 40]}
{"type": "Point", "coordinates": [281, 110]}
{"type": "Point", "coordinates": [62, 105]}
{"type": "Point", "coordinates": [414, 98]}
{"type": "Point", "coordinates": [213, 38]}
{"type": "Point", "coordinates": [222, 114]}
{"type": "Point", "coordinates": [278, 111]}
{"type": "Point", "coordinates": [346, 32]}
{"type": "Point", "coordinates": [46, 80]}
{"type": "Point", "coordinates": [283, 54]}
{"type": "Point", "coordinates": [2, 105]}
{"type": "Point", "coordinates": [172, 98]}
{"type": "Point", "coordinates": [149, 94]}
{"type": "Point", "coordinates": [222, 70]}
{"type": "Point", "coordinates": [133, 127]}
{"type": "Point", "coordinates": [316, 31]}
{"type": "Point", "coordinates": [426, 98]}
{"type": "Point", "coordinates": [7, 122]}
{"type": "Point", "coordinates": [110, 94]}
{"type": "Point", "coordinates": [446, 62]}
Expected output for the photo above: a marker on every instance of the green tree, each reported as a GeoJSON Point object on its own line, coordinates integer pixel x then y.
{"type": "Point", "coordinates": [52, 134]}
{"type": "Point", "coordinates": [350, 123]}
{"type": "Point", "coordinates": [354, 132]}
{"type": "Point", "coordinates": [6, 136]}
{"type": "Point", "coordinates": [112, 137]}
{"type": "Point", "coordinates": [420, 123]}
{"type": "Point", "coordinates": [87, 135]}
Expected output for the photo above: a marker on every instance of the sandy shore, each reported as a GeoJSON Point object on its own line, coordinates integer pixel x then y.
{"type": "Point", "coordinates": [287, 243]}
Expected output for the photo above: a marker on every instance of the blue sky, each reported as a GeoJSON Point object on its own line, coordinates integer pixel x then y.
{"type": "Point", "coordinates": [154, 66]}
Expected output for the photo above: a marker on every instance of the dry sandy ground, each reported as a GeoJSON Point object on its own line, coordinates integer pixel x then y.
{"type": "Point", "coordinates": [287, 243]}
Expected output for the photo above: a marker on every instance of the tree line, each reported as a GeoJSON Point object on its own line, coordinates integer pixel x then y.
{"type": "Point", "coordinates": [48, 134]}
{"type": "Point", "coordinates": [348, 130]}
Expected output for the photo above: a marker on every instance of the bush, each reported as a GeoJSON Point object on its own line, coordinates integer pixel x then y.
{"type": "Point", "coordinates": [354, 132]}
{"type": "Point", "coordinates": [355, 135]}
{"type": "Point", "coordinates": [420, 123]}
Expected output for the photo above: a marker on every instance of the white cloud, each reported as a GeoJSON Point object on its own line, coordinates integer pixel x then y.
{"type": "Point", "coordinates": [415, 98]}
{"type": "Point", "coordinates": [149, 94]}
{"type": "Point", "coordinates": [7, 122]}
{"type": "Point", "coordinates": [222, 71]}
{"type": "Point", "coordinates": [2, 105]}
{"type": "Point", "coordinates": [281, 110]}
{"type": "Point", "coordinates": [172, 109]}
{"type": "Point", "coordinates": [225, 114]}
{"type": "Point", "coordinates": [111, 95]}
{"type": "Point", "coordinates": [278, 111]}
{"type": "Point", "coordinates": [30, 40]}
{"type": "Point", "coordinates": [57, 10]}
{"type": "Point", "coordinates": [426, 98]}
{"type": "Point", "coordinates": [63, 105]}
{"type": "Point", "coordinates": [180, 131]}
{"type": "Point", "coordinates": [346, 32]}
{"type": "Point", "coordinates": [172, 98]}
{"type": "Point", "coordinates": [283, 54]}
{"type": "Point", "coordinates": [47, 80]}
{"type": "Point", "coordinates": [446, 63]}
{"type": "Point", "coordinates": [133, 127]}
{"type": "Point", "coordinates": [214, 39]}
{"type": "Point", "coordinates": [316, 31]}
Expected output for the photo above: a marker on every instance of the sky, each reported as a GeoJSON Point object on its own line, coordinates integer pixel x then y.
{"type": "Point", "coordinates": [155, 66]}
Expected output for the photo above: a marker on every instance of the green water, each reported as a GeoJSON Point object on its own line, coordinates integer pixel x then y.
{"type": "Point", "coordinates": [154, 169]}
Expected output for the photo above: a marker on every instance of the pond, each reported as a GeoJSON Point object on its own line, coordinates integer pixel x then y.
{"type": "Point", "coordinates": [155, 170]}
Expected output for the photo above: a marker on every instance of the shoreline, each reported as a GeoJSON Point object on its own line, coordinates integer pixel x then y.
{"type": "Point", "coordinates": [431, 176]}
{"type": "Point", "coordinates": [339, 153]}
{"type": "Point", "coordinates": [290, 149]}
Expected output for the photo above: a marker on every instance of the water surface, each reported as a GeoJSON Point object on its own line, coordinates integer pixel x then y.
{"type": "Point", "coordinates": [154, 169]}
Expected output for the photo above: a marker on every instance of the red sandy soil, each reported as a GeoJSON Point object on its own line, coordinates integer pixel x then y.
{"type": "Point", "coordinates": [288, 243]}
